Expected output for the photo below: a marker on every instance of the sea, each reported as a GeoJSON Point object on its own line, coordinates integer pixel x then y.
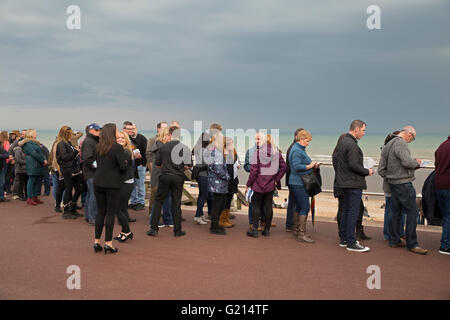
{"type": "Point", "coordinates": [320, 149]}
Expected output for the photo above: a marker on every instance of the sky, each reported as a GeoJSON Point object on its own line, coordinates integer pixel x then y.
{"type": "Point", "coordinates": [269, 64]}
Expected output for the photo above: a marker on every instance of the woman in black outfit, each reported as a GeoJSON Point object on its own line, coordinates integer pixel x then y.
{"type": "Point", "coordinates": [68, 159]}
{"type": "Point", "coordinates": [111, 162]}
{"type": "Point", "coordinates": [128, 175]}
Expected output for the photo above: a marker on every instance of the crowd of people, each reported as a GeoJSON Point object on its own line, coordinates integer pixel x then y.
{"type": "Point", "coordinates": [107, 169]}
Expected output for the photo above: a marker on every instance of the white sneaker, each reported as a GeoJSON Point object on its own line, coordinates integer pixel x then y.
{"type": "Point", "coordinates": [204, 218]}
{"type": "Point", "coordinates": [199, 220]}
{"type": "Point", "coordinates": [15, 197]}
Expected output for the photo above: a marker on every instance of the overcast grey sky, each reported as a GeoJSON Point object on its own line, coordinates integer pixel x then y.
{"type": "Point", "coordinates": [243, 63]}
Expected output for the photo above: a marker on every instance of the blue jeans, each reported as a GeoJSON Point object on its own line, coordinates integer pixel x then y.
{"type": "Point", "coordinates": [167, 211]}
{"type": "Point", "coordinates": [31, 186]}
{"type": "Point", "coordinates": [55, 182]}
{"type": "Point", "coordinates": [443, 198]}
{"type": "Point", "coordinates": [2, 182]}
{"type": "Point", "coordinates": [292, 207]}
{"type": "Point", "coordinates": [301, 199]}
{"type": "Point", "coordinates": [90, 205]}
{"type": "Point", "coordinates": [138, 193]}
{"type": "Point", "coordinates": [387, 220]}
{"type": "Point", "coordinates": [403, 198]}
{"type": "Point", "coordinates": [203, 196]}
{"type": "Point", "coordinates": [352, 205]}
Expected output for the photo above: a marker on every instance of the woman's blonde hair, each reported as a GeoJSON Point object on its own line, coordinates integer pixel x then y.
{"type": "Point", "coordinates": [217, 141]}
{"type": "Point", "coordinates": [163, 135]}
{"type": "Point", "coordinates": [128, 144]}
{"type": "Point", "coordinates": [303, 134]}
{"type": "Point", "coordinates": [30, 134]}
{"type": "Point", "coordinates": [269, 140]}
{"type": "Point", "coordinates": [65, 133]}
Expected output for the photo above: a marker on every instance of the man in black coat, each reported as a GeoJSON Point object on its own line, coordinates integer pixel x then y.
{"type": "Point", "coordinates": [88, 151]}
{"type": "Point", "coordinates": [137, 199]}
{"type": "Point", "coordinates": [174, 158]}
{"type": "Point", "coordinates": [350, 177]}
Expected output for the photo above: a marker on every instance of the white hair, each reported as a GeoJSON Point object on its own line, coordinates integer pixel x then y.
{"type": "Point", "coordinates": [409, 129]}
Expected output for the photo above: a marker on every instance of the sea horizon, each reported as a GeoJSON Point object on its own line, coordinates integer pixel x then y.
{"type": "Point", "coordinates": [321, 146]}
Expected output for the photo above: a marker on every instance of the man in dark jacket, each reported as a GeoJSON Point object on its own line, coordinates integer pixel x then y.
{"type": "Point", "coordinates": [442, 183]}
{"type": "Point", "coordinates": [174, 158]}
{"type": "Point", "coordinates": [88, 151]}
{"type": "Point", "coordinates": [350, 177]}
{"type": "Point", "coordinates": [137, 199]}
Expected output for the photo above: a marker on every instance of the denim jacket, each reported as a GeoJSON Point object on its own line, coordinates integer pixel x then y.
{"type": "Point", "coordinates": [217, 171]}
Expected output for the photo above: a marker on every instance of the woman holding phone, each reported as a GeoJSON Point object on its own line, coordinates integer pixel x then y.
{"type": "Point", "coordinates": [301, 164]}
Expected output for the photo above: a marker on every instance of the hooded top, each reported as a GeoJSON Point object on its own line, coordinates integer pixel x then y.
{"type": "Point", "coordinates": [267, 167]}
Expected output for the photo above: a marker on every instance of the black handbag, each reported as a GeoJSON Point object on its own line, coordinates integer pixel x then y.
{"type": "Point", "coordinates": [312, 183]}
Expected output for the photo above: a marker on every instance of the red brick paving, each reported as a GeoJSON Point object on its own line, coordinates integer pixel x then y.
{"type": "Point", "coordinates": [37, 246]}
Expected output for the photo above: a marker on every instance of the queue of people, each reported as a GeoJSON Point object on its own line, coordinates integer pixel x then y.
{"type": "Point", "coordinates": [107, 170]}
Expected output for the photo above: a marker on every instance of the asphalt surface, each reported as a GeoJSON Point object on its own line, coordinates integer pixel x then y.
{"type": "Point", "coordinates": [37, 246]}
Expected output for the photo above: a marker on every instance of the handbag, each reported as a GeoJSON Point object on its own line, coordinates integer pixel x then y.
{"type": "Point", "coordinates": [311, 183]}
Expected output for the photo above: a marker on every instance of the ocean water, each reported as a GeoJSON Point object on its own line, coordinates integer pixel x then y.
{"type": "Point", "coordinates": [320, 148]}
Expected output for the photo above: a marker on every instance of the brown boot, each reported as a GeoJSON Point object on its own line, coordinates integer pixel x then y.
{"type": "Point", "coordinates": [223, 221]}
{"type": "Point", "coordinates": [227, 218]}
{"type": "Point", "coordinates": [296, 225]}
{"type": "Point", "coordinates": [302, 237]}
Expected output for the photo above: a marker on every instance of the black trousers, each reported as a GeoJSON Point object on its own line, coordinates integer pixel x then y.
{"type": "Point", "coordinates": [123, 216]}
{"type": "Point", "coordinates": [108, 201]}
{"type": "Point", "coordinates": [219, 202]}
{"type": "Point", "coordinates": [173, 184]}
{"type": "Point", "coordinates": [23, 179]}
{"type": "Point", "coordinates": [71, 182]}
{"type": "Point", "coordinates": [265, 200]}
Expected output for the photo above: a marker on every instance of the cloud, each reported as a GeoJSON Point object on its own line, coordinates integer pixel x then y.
{"type": "Point", "coordinates": [250, 63]}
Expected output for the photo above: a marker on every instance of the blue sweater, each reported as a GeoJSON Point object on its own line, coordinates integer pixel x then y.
{"type": "Point", "coordinates": [298, 160]}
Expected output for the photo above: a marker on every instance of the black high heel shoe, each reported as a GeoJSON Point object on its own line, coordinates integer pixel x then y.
{"type": "Point", "coordinates": [126, 237]}
{"type": "Point", "coordinates": [119, 236]}
{"type": "Point", "coordinates": [97, 248]}
{"type": "Point", "coordinates": [108, 248]}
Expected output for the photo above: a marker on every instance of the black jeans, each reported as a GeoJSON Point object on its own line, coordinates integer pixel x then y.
{"type": "Point", "coordinates": [60, 186]}
{"type": "Point", "coordinates": [219, 201]}
{"type": "Point", "coordinates": [123, 216]}
{"type": "Point", "coordinates": [108, 201]}
{"type": "Point", "coordinates": [262, 200]}
{"type": "Point", "coordinates": [69, 183]}
{"type": "Point", "coordinates": [22, 179]}
{"type": "Point", "coordinates": [403, 199]}
{"type": "Point", "coordinates": [173, 184]}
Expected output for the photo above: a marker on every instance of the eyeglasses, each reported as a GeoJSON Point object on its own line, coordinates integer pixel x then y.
{"type": "Point", "coordinates": [413, 136]}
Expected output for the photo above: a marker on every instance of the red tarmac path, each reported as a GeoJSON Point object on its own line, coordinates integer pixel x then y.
{"type": "Point", "coordinates": [37, 246]}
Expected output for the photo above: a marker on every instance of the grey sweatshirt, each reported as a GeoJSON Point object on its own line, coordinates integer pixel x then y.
{"type": "Point", "coordinates": [396, 164]}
